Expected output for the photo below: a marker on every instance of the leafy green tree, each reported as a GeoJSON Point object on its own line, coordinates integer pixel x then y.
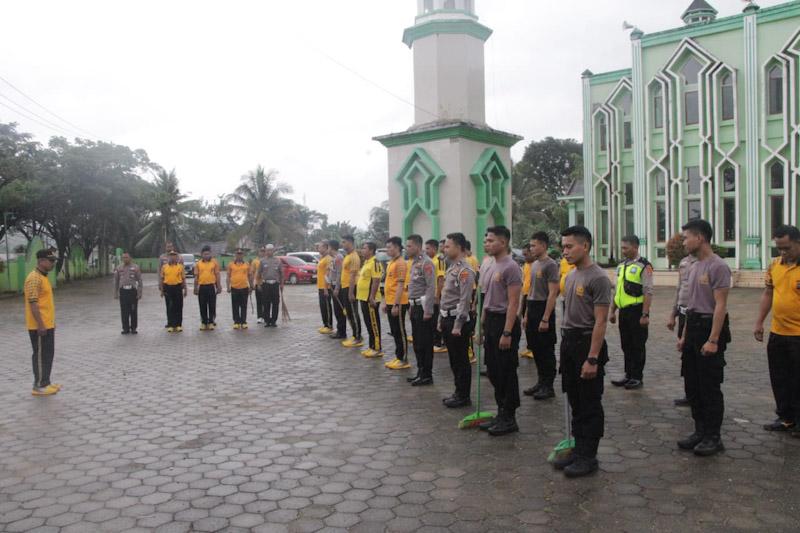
{"type": "Point", "coordinates": [169, 214]}
{"type": "Point", "coordinates": [260, 204]}
{"type": "Point", "coordinates": [378, 229]}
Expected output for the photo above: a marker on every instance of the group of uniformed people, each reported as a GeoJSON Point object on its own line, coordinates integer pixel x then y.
{"type": "Point", "coordinates": [442, 288]}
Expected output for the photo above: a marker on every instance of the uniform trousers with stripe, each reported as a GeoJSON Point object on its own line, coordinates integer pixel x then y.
{"type": "Point", "coordinates": [351, 310]}
{"type": "Point", "coordinates": [397, 327]}
{"type": "Point", "coordinates": [44, 348]}
{"type": "Point", "coordinates": [325, 308]}
{"type": "Point", "coordinates": [372, 321]}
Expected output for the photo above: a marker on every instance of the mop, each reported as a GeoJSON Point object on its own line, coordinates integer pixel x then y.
{"type": "Point", "coordinates": [478, 417]}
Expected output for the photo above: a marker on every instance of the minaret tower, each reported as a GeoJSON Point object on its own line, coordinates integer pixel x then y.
{"type": "Point", "coordinates": [449, 171]}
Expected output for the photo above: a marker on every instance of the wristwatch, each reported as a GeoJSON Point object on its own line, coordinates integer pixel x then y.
{"type": "Point", "coordinates": [713, 342]}
{"type": "Point", "coordinates": [592, 361]}
{"type": "Point", "coordinates": [646, 315]}
{"type": "Point", "coordinates": [506, 334]}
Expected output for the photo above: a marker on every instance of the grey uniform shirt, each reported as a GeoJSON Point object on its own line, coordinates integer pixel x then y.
{"type": "Point", "coordinates": [423, 282]}
{"type": "Point", "coordinates": [128, 277]}
{"type": "Point", "coordinates": [705, 277]}
{"type": "Point", "coordinates": [585, 289]}
{"type": "Point", "coordinates": [457, 291]}
{"type": "Point", "coordinates": [502, 275]}
{"type": "Point", "coordinates": [682, 291]}
{"type": "Point", "coordinates": [543, 273]}
{"type": "Point", "coordinates": [271, 269]}
{"type": "Point", "coordinates": [335, 271]}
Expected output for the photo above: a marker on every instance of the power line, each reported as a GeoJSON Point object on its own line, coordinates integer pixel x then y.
{"type": "Point", "coordinates": [65, 121]}
{"type": "Point", "coordinates": [26, 112]}
{"type": "Point", "coordinates": [58, 130]}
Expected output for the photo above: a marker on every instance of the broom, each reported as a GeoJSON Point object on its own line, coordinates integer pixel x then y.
{"type": "Point", "coordinates": [285, 317]}
{"type": "Point", "coordinates": [478, 417]}
{"type": "Point", "coordinates": [566, 447]}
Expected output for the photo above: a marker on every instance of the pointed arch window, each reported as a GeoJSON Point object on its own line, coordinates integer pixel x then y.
{"type": "Point", "coordinates": [658, 107]}
{"type": "Point", "coordinates": [775, 90]}
{"type": "Point", "coordinates": [626, 102]}
{"type": "Point", "coordinates": [691, 103]}
{"type": "Point", "coordinates": [727, 97]}
{"type": "Point", "coordinates": [776, 194]}
{"type": "Point", "coordinates": [603, 132]}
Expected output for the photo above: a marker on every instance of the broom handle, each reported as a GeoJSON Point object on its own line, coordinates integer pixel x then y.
{"type": "Point", "coordinates": [567, 424]}
{"type": "Point", "coordinates": [477, 346]}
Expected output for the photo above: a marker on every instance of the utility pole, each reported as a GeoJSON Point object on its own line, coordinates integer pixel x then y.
{"type": "Point", "coordinates": [6, 216]}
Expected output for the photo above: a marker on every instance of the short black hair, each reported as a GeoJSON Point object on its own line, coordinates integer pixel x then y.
{"type": "Point", "coordinates": [206, 248]}
{"type": "Point", "coordinates": [468, 246]}
{"type": "Point", "coordinates": [580, 232]}
{"type": "Point", "coordinates": [333, 243]}
{"type": "Point", "coordinates": [500, 231]}
{"type": "Point", "coordinates": [786, 231]}
{"type": "Point", "coordinates": [417, 239]}
{"type": "Point", "coordinates": [348, 238]}
{"type": "Point", "coordinates": [458, 239]}
{"type": "Point", "coordinates": [526, 247]}
{"type": "Point", "coordinates": [397, 241]}
{"type": "Point", "coordinates": [433, 242]}
{"type": "Point", "coordinates": [542, 237]}
{"type": "Point", "coordinates": [699, 227]}
{"type": "Point", "coordinates": [631, 239]}
{"type": "Point", "coordinates": [371, 245]}
{"type": "Point", "coordinates": [325, 243]}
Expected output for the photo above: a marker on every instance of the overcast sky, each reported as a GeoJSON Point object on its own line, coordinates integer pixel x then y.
{"type": "Point", "coordinates": [215, 88]}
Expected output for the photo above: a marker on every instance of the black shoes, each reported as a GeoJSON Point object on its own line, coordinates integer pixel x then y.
{"type": "Point", "coordinates": [533, 390]}
{"type": "Point", "coordinates": [710, 445]}
{"type": "Point", "coordinates": [413, 379]}
{"type": "Point", "coordinates": [544, 393]}
{"type": "Point", "coordinates": [691, 441]}
{"type": "Point", "coordinates": [562, 463]}
{"type": "Point", "coordinates": [780, 425]}
{"type": "Point", "coordinates": [581, 466]}
{"type": "Point", "coordinates": [620, 382]}
{"type": "Point", "coordinates": [505, 424]}
{"type": "Point", "coordinates": [681, 402]}
{"type": "Point", "coordinates": [421, 382]}
{"type": "Point", "coordinates": [485, 426]}
{"type": "Point", "coordinates": [125, 332]}
{"type": "Point", "coordinates": [455, 402]}
{"type": "Point", "coordinates": [634, 384]}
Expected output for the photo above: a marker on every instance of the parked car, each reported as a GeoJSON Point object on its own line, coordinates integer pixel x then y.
{"type": "Point", "coordinates": [295, 270]}
{"type": "Point", "coordinates": [309, 257]}
{"type": "Point", "coordinates": [188, 264]}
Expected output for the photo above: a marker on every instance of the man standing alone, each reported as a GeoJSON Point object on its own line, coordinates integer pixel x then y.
{"type": "Point", "coordinates": [128, 290]}
{"type": "Point", "coordinates": [40, 319]}
{"type": "Point", "coordinates": [270, 278]}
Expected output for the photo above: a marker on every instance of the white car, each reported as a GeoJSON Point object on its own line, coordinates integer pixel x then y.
{"type": "Point", "coordinates": [308, 257]}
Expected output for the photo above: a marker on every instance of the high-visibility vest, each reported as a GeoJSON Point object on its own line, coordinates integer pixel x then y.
{"type": "Point", "coordinates": [629, 283]}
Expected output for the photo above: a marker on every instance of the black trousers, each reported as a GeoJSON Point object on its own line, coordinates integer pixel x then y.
{"type": "Point", "coordinates": [239, 299]}
{"type": "Point", "coordinates": [272, 301]}
{"type": "Point", "coordinates": [682, 324]}
{"type": "Point", "coordinates": [173, 294]}
{"type": "Point", "coordinates": [325, 308]}
{"type": "Point", "coordinates": [437, 335]}
{"type": "Point", "coordinates": [704, 374]}
{"type": "Point", "coordinates": [129, 308]}
{"type": "Point", "coordinates": [542, 344]}
{"type": "Point", "coordinates": [422, 332]}
{"type": "Point", "coordinates": [783, 355]}
{"type": "Point", "coordinates": [372, 321]}
{"type": "Point", "coordinates": [350, 311]}
{"type": "Point", "coordinates": [44, 349]}
{"type": "Point", "coordinates": [260, 307]}
{"type": "Point", "coordinates": [633, 338]}
{"type": "Point", "coordinates": [339, 313]}
{"type": "Point", "coordinates": [585, 396]}
{"type": "Point", "coordinates": [207, 297]}
{"type": "Point", "coordinates": [501, 365]}
{"type": "Point", "coordinates": [458, 350]}
{"type": "Point", "coordinates": [397, 328]}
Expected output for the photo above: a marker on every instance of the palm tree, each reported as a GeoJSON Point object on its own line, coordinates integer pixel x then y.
{"type": "Point", "coordinates": [168, 214]}
{"type": "Point", "coordinates": [259, 201]}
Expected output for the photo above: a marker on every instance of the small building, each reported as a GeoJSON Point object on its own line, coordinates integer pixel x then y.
{"type": "Point", "coordinates": [706, 124]}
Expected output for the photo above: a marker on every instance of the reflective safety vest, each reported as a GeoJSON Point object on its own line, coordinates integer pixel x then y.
{"type": "Point", "coordinates": [630, 290]}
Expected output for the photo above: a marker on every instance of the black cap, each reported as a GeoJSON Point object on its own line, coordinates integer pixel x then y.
{"type": "Point", "coordinates": [46, 254]}
{"type": "Point", "coordinates": [206, 248]}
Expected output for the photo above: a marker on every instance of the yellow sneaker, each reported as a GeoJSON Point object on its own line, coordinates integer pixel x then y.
{"type": "Point", "coordinates": [203, 327]}
{"type": "Point", "coordinates": [179, 329]}
{"type": "Point", "coordinates": [44, 391]}
{"type": "Point", "coordinates": [352, 343]}
{"type": "Point", "coordinates": [325, 330]}
{"type": "Point", "coordinates": [391, 364]}
{"type": "Point", "coordinates": [439, 349]}
{"type": "Point", "coordinates": [212, 327]}
{"type": "Point", "coordinates": [402, 365]}
{"type": "Point", "coordinates": [369, 352]}
{"type": "Point", "coordinates": [372, 354]}
{"type": "Point", "coordinates": [527, 354]}
{"type": "Point", "coordinates": [358, 343]}
{"type": "Point", "coordinates": [236, 326]}
{"type": "Point", "coordinates": [410, 338]}
{"type": "Point", "coordinates": [243, 326]}
{"type": "Point", "coordinates": [170, 330]}
{"type": "Point", "coordinates": [56, 385]}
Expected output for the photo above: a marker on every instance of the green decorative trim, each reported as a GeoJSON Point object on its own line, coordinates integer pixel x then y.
{"type": "Point", "coordinates": [461, 130]}
{"type": "Point", "coordinates": [457, 27]}
{"type": "Point", "coordinates": [783, 11]}
{"type": "Point", "coordinates": [643, 241]}
{"type": "Point", "coordinates": [610, 77]}
{"type": "Point", "coordinates": [696, 30]}
{"type": "Point", "coordinates": [491, 181]}
{"type": "Point", "coordinates": [415, 201]}
{"type": "Point", "coordinates": [448, 12]}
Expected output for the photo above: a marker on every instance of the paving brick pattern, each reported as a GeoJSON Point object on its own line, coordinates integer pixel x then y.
{"type": "Point", "coordinates": [284, 430]}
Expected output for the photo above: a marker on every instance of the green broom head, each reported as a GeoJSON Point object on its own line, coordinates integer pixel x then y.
{"type": "Point", "coordinates": [475, 419]}
{"type": "Point", "coordinates": [562, 450]}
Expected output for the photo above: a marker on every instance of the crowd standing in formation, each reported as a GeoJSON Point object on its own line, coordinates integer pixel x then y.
{"type": "Point", "coordinates": [443, 290]}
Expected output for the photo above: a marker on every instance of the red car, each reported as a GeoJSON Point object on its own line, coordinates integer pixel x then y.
{"type": "Point", "coordinates": [296, 270]}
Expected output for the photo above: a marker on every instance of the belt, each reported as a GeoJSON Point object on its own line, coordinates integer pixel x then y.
{"type": "Point", "coordinates": [415, 301]}
{"type": "Point", "coordinates": [682, 309]}
{"type": "Point", "coordinates": [701, 316]}
{"type": "Point", "coordinates": [270, 281]}
{"type": "Point", "coordinates": [127, 287]}
{"type": "Point", "coordinates": [576, 331]}
{"type": "Point", "coordinates": [496, 313]}
{"type": "Point", "coordinates": [449, 313]}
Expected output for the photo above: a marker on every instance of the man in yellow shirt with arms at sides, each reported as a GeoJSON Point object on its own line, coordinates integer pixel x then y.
{"type": "Point", "coordinates": [240, 285]}
{"type": "Point", "coordinates": [369, 297]}
{"type": "Point", "coordinates": [351, 266]}
{"type": "Point", "coordinates": [173, 290]}
{"type": "Point", "coordinates": [782, 297]}
{"type": "Point", "coordinates": [40, 319]}
{"type": "Point", "coordinates": [323, 288]}
{"type": "Point", "coordinates": [206, 287]}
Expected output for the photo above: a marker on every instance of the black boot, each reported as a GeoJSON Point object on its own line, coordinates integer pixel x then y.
{"type": "Point", "coordinates": [545, 392]}
{"type": "Point", "coordinates": [533, 390]}
{"type": "Point", "coordinates": [565, 460]}
{"type": "Point", "coordinates": [456, 402]}
{"type": "Point", "coordinates": [485, 426]}
{"type": "Point", "coordinates": [581, 466]}
{"type": "Point", "coordinates": [692, 440]}
{"type": "Point", "coordinates": [710, 445]}
{"type": "Point", "coordinates": [507, 424]}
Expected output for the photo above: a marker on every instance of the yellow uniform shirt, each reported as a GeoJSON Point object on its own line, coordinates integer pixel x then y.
{"type": "Point", "coordinates": [322, 272]}
{"type": "Point", "coordinates": [239, 275]}
{"type": "Point", "coordinates": [473, 264]}
{"type": "Point", "coordinates": [396, 271]}
{"type": "Point", "coordinates": [784, 279]}
{"type": "Point", "coordinates": [350, 265]}
{"type": "Point", "coordinates": [255, 264]}
{"type": "Point", "coordinates": [370, 273]}
{"type": "Point", "coordinates": [38, 290]}
{"type": "Point", "coordinates": [564, 268]}
{"type": "Point", "coordinates": [172, 274]}
{"type": "Point", "coordinates": [206, 272]}
{"type": "Point", "coordinates": [526, 279]}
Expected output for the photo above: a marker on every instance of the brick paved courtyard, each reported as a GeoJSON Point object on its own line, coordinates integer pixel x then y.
{"type": "Point", "coordinates": [284, 430]}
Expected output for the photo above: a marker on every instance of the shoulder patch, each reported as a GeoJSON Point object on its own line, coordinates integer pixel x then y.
{"type": "Point", "coordinates": [464, 275]}
{"type": "Point", "coordinates": [428, 268]}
